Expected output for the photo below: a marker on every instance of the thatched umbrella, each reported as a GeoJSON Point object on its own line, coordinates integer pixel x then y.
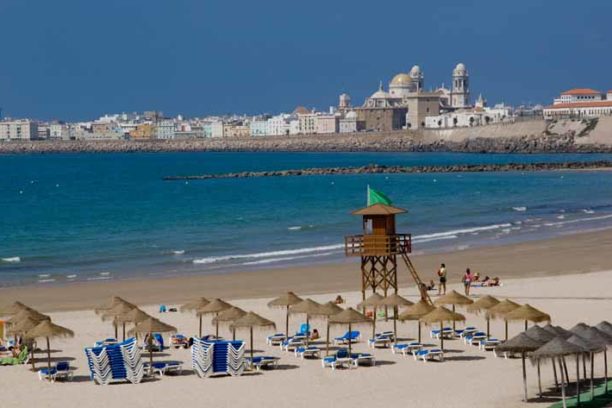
{"type": "Point", "coordinates": [115, 300]}
{"type": "Point", "coordinates": [328, 309]}
{"type": "Point", "coordinates": [228, 316]}
{"type": "Point", "coordinates": [148, 327]}
{"type": "Point", "coordinates": [395, 301]}
{"type": "Point", "coordinates": [502, 308]}
{"type": "Point", "coordinates": [579, 327]}
{"type": "Point", "coordinates": [591, 349]}
{"type": "Point", "coordinates": [558, 331]}
{"type": "Point", "coordinates": [527, 313]}
{"type": "Point", "coordinates": [22, 327]}
{"type": "Point", "coordinates": [15, 308]}
{"type": "Point", "coordinates": [117, 310]}
{"type": "Point", "coordinates": [374, 301]}
{"type": "Point", "coordinates": [539, 334]}
{"type": "Point", "coordinates": [559, 348]}
{"type": "Point", "coordinates": [415, 312]}
{"type": "Point", "coordinates": [134, 316]}
{"type": "Point", "coordinates": [215, 307]}
{"type": "Point", "coordinates": [605, 327]}
{"type": "Point", "coordinates": [440, 315]}
{"type": "Point", "coordinates": [196, 305]}
{"type": "Point", "coordinates": [308, 307]}
{"type": "Point", "coordinates": [350, 317]}
{"type": "Point", "coordinates": [521, 343]}
{"type": "Point", "coordinates": [453, 298]}
{"type": "Point", "coordinates": [48, 330]}
{"type": "Point", "coordinates": [602, 339]}
{"type": "Point", "coordinates": [483, 304]}
{"type": "Point", "coordinates": [27, 313]}
{"type": "Point", "coordinates": [251, 320]}
{"type": "Point", "coordinates": [287, 300]}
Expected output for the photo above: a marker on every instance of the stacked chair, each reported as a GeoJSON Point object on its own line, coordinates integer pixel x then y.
{"type": "Point", "coordinates": [218, 357]}
{"type": "Point", "coordinates": [117, 362]}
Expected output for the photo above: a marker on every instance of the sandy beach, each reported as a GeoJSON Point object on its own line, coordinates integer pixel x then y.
{"type": "Point", "coordinates": [568, 277]}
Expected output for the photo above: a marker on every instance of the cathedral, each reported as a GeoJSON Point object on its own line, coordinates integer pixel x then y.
{"type": "Point", "coordinates": [407, 103]}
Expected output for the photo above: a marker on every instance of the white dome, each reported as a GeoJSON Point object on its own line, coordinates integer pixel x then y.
{"type": "Point", "coordinates": [415, 71]}
{"type": "Point", "coordinates": [351, 115]}
{"type": "Point", "coordinates": [460, 69]}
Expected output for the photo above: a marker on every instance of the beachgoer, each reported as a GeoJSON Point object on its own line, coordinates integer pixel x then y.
{"type": "Point", "coordinates": [476, 277]}
{"type": "Point", "coordinates": [315, 335]}
{"type": "Point", "coordinates": [431, 285]}
{"type": "Point", "coordinates": [467, 281]}
{"type": "Point", "coordinates": [442, 276]}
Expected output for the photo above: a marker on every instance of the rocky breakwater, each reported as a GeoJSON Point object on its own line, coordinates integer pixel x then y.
{"type": "Point", "coordinates": [383, 169]}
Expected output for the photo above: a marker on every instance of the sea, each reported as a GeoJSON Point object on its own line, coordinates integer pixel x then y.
{"type": "Point", "coordinates": [89, 217]}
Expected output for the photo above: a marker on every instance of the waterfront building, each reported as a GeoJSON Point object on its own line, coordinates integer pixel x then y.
{"type": "Point", "coordinates": [236, 130]}
{"type": "Point", "coordinates": [20, 129]}
{"type": "Point", "coordinates": [480, 115]}
{"type": "Point", "coordinates": [259, 127]}
{"type": "Point", "coordinates": [216, 128]}
{"type": "Point", "coordinates": [580, 103]}
{"type": "Point", "coordinates": [164, 129]}
{"type": "Point", "coordinates": [350, 124]}
{"type": "Point", "coordinates": [326, 123]}
{"type": "Point", "coordinates": [344, 102]}
{"type": "Point", "coordinates": [460, 93]}
{"type": "Point", "coordinates": [280, 125]}
{"type": "Point", "coordinates": [59, 131]}
{"type": "Point", "coordinates": [145, 131]}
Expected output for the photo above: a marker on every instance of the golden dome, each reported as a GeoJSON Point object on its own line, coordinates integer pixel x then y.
{"type": "Point", "coordinates": [401, 79]}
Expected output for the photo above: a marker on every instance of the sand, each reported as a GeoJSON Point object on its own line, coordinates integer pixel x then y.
{"type": "Point", "coordinates": [571, 280]}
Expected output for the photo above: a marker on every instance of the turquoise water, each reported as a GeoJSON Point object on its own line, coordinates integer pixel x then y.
{"type": "Point", "coordinates": [71, 217]}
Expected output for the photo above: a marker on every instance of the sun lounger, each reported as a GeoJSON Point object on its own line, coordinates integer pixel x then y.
{"type": "Point", "coordinates": [117, 362]}
{"type": "Point", "coordinates": [304, 330]}
{"type": "Point", "coordinates": [292, 343]}
{"type": "Point", "coordinates": [348, 337]}
{"type": "Point", "coordinates": [165, 367]}
{"type": "Point", "coordinates": [276, 339]}
{"type": "Point", "coordinates": [307, 351]}
{"type": "Point", "coordinates": [475, 338]}
{"type": "Point", "coordinates": [461, 333]}
{"type": "Point", "coordinates": [488, 344]}
{"type": "Point", "coordinates": [381, 340]}
{"type": "Point", "coordinates": [260, 362]}
{"type": "Point", "coordinates": [340, 359]}
{"type": "Point", "coordinates": [22, 358]}
{"type": "Point", "coordinates": [429, 354]}
{"type": "Point", "coordinates": [218, 357]}
{"type": "Point", "coordinates": [106, 342]}
{"type": "Point", "coordinates": [59, 370]}
{"type": "Point", "coordinates": [359, 358]}
{"type": "Point", "coordinates": [446, 332]}
{"type": "Point", "coordinates": [406, 348]}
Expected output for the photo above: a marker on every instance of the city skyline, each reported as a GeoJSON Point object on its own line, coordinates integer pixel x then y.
{"type": "Point", "coordinates": [218, 59]}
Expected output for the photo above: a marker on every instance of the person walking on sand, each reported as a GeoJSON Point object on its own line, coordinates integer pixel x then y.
{"type": "Point", "coordinates": [442, 276]}
{"type": "Point", "coordinates": [467, 281]}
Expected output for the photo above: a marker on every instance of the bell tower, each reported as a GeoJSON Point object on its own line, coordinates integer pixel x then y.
{"type": "Point", "coordinates": [460, 91]}
{"type": "Point", "coordinates": [379, 247]}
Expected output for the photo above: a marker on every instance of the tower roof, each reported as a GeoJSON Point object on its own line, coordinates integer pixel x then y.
{"type": "Point", "coordinates": [379, 209]}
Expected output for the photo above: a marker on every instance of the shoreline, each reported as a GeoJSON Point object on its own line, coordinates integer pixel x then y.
{"type": "Point", "coordinates": [571, 254]}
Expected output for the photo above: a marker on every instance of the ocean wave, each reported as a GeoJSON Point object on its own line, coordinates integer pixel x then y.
{"type": "Point", "coordinates": [259, 255]}
{"type": "Point", "coordinates": [454, 233]}
{"type": "Point", "coordinates": [71, 276]}
{"type": "Point", "coordinates": [588, 211]}
{"type": "Point", "coordinates": [520, 209]}
{"type": "Point", "coordinates": [178, 252]}
{"type": "Point", "coordinates": [13, 259]}
{"type": "Point", "coordinates": [287, 258]}
{"type": "Point", "coordinates": [553, 224]}
{"type": "Point", "coordinates": [295, 228]}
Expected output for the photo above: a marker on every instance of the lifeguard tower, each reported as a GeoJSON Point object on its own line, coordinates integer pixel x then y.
{"type": "Point", "coordinates": [379, 246]}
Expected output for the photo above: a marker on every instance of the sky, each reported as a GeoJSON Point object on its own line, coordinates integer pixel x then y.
{"type": "Point", "coordinates": [77, 59]}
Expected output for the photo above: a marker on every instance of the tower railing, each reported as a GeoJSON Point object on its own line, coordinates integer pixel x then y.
{"type": "Point", "coordinates": [377, 245]}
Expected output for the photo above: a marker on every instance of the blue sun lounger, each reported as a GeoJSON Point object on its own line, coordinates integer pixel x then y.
{"type": "Point", "coordinates": [307, 351]}
{"type": "Point", "coordinates": [165, 367]}
{"type": "Point", "coordinates": [348, 337]}
{"type": "Point", "coordinates": [60, 370]}
{"type": "Point", "coordinates": [406, 348]}
{"type": "Point", "coordinates": [260, 362]}
{"type": "Point", "coordinates": [429, 354]}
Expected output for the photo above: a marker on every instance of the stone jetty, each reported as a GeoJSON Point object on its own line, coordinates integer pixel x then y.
{"type": "Point", "coordinates": [383, 169]}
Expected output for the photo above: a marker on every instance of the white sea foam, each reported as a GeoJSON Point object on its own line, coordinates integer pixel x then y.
{"type": "Point", "coordinates": [295, 228]}
{"type": "Point", "coordinates": [603, 217]}
{"type": "Point", "coordinates": [287, 258]}
{"type": "Point", "coordinates": [13, 259]}
{"type": "Point", "coordinates": [179, 252]}
{"type": "Point", "coordinates": [454, 233]}
{"type": "Point", "coordinates": [44, 275]}
{"type": "Point", "coordinates": [46, 280]}
{"type": "Point", "coordinates": [71, 276]}
{"type": "Point", "coordinates": [104, 273]}
{"type": "Point", "coordinates": [214, 259]}
{"type": "Point", "coordinates": [95, 278]}
{"type": "Point", "coordinates": [588, 211]}
{"type": "Point", "coordinates": [561, 217]}
{"type": "Point", "coordinates": [520, 209]}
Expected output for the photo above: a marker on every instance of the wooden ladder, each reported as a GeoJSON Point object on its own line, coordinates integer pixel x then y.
{"type": "Point", "coordinates": [416, 278]}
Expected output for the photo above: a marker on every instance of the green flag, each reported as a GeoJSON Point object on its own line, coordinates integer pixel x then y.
{"type": "Point", "coordinates": [376, 197]}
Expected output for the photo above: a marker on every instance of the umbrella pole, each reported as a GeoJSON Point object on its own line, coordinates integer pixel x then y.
{"type": "Point", "coordinates": [453, 320]}
{"type": "Point", "coordinates": [442, 336]}
{"type": "Point", "coordinates": [123, 331]}
{"type": "Point", "coordinates": [251, 347]}
{"type": "Point", "coordinates": [539, 380]}
{"type": "Point", "coordinates": [349, 340]}
{"type": "Point", "coordinates": [606, 368]}
{"type": "Point", "coordinates": [565, 369]}
{"type": "Point", "coordinates": [525, 325]}
{"type": "Point", "coordinates": [578, 378]}
{"type": "Point", "coordinates": [150, 342]}
{"type": "Point", "coordinates": [287, 323]}
{"type": "Point", "coordinates": [374, 322]}
{"type": "Point", "coordinates": [48, 356]}
{"type": "Point", "coordinates": [584, 371]}
{"type": "Point", "coordinates": [592, 385]}
{"type": "Point", "coordinates": [234, 333]}
{"type": "Point", "coordinates": [394, 324]}
{"type": "Point", "coordinates": [200, 330]}
{"type": "Point", "coordinates": [488, 327]}
{"type": "Point", "coordinates": [327, 339]}
{"type": "Point", "coordinates": [32, 358]}
{"type": "Point", "coordinates": [524, 375]}
{"type": "Point", "coordinates": [554, 366]}
{"type": "Point", "coordinates": [116, 330]}
{"type": "Point", "coordinates": [419, 331]}
{"type": "Point", "coordinates": [562, 385]}
{"type": "Point", "coordinates": [506, 330]}
{"type": "Point", "coordinates": [307, 329]}
{"type": "Point", "coordinates": [217, 325]}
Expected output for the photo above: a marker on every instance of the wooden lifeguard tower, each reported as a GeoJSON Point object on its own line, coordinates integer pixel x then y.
{"type": "Point", "coordinates": [379, 247]}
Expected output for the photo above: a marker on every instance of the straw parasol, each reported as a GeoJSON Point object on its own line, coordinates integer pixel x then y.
{"type": "Point", "coordinates": [579, 328]}
{"type": "Point", "coordinates": [214, 307]}
{"type": "Point", "coordinates": [558, 331]}
{"type": "Point", "coordinates": [502, 308]}
{"type": "Point", "coordinates": [350, 317]}
{"type": "Point", "coordinates": [527, 313]}
{"type": "Point", "coordinates": [591, 348]}
{"type": "Point", "coordinates": [559, 348]}
{"type": "Point", "coordinates": [484, 303]}
{"type": "Point", "coordinates": [251, 320]}
{"type": "Point", "coordinates": [328, 309]}
{"type": "Point", "coordinates": [48, 330]}
{"type": "Point", "coordinates": [453, 298]}
{"type": "Point", "coordinates": [521, 343]}
{"type": "Point", "coordinates": [148, 327]}
{"type": "Point", "coordinates": [440, 315]}
{"type": "Point", "coordinates": [374, 301]}
{"type": "Point", "coordinates": [287, 300]}
{"type": "Point", "coordinates": [602, 339]}
{"type": "Point", "coordinates": [415, 312]}
{"type": "Point", "coordinates": [195, 305]}
{"type": "Point", "coordinates": [21, 328]}
{"type": "Point", "coordinates": [27, 313]}
{"type": "Point", "coordinates": [309, 308]}
{"type": "Point", "coordinates": [15, 308]}
{"type": "Point", "coordinates": [118, 310]}
{"type": "Point", "coordinates": [539, 334]}
{"type": "Point", "coordinates": [605, 327]}
{"type": "Point", "coordinates": [230, 315]}
{"type": "Point", "coordinates": [134, 316]}
{"type": "Point", "coordinates": [395, 301]}
{"type": "Point", "coordinates": [115, 300]}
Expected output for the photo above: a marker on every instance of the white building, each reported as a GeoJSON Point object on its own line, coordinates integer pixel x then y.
{"type": "Point", "coordinates": [59, 131]}
{"type": "Point", "coordinates": [216, 129]}
{"type": "Point", "coordinates": [165, 129]}
{"type": "Point", "coordinates": [348, 124]}
{"type": "Point", "coordinates": [279, 125]}
{"type": "Point", "coordinates": [259, 128]}
{"type": "Point", "coordinates": [325, 124]}
{"type": "Point", "coordinates": [580, 103]}
{"type": "Point", "coordinates": [21, 129]}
